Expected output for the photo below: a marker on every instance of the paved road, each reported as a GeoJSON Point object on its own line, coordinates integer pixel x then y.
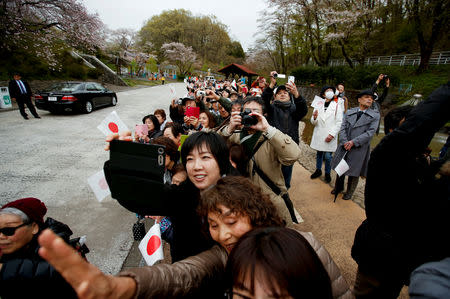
{"type": "Point", "coordinates": [51, 159]}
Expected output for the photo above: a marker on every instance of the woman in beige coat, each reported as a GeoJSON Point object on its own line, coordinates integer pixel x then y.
{"type": "Point", "coordinates": [231, 208]}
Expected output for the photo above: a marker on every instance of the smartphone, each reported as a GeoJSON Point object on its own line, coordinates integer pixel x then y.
{"type": "Point", "coordinates": [193, 111]}
{"type": "Point", "coordinates": [291, 79]}
{"type": "Point", "coordinates": [141, 130]}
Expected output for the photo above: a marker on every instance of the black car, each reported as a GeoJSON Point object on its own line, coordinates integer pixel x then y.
{"type": "Point", "coordinates": [75, 96]}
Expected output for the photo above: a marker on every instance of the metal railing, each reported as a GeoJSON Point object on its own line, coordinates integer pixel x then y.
{"type": "Point", "coordinates": [401, 60]}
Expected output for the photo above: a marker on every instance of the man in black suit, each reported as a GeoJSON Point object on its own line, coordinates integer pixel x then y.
{"type": "Point", "coordinates": [20, 92]}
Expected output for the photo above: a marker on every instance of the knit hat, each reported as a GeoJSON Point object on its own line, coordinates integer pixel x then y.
{"type": "Point", "coordinates": [32, 207]}
{"type": "Point", "coordinates": [365, 92]}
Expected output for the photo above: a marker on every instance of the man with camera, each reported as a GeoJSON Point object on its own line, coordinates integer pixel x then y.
{"type": "Point", "coordinates": [285, 112]}
{"type": "Point", "coordinates": [378, 100]}
{"type": "Point", "coordinates": [267, 149]}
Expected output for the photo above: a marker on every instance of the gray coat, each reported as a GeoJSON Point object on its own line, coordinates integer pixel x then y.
{"type": "Point", "coordinates": [360, 132]}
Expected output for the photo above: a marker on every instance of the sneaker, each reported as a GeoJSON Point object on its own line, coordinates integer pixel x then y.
{"type": "Point", "coordinates": [327, 177]}
{"type": "Point", "coordinates": [316, 174]}
{"type": "Point", "coordinates": [25, 117]}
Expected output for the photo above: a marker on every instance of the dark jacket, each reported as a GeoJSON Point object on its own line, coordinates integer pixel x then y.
{"type": "Point", "coordinates": [25, 274]}
{"type": "Point", "coordinates": [285, 119]}
{"type": "Point", "coordinates": [16, 93]}
{"type": "Point", "coordinates": [407, 208]}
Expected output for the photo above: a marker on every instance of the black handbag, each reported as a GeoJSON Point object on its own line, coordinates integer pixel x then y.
{"type": "Point", "coordinates": [138, 230]}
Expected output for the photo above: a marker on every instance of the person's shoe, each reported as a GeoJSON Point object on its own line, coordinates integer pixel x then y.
{"type": "Point", "coordinates": [37, 116]}
{"type": "Point", "coordinates": [327, 177]}
{"type": "Point", "coordinates": [333, 191]}
{"type": "Point", "coordinates": [347, 196]}
{"type": "Point", "coordinates": [25, 117]}
{"type": "Point", "coordinates": [316, 174]}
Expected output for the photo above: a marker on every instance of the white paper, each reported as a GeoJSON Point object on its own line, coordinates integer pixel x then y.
{"type": "Point", "coordinates": [317, 102]}
{"type": "Point", "coordinates": [112, 124]}
{"type": "Point", "coordinates": [151, 245]}
{"type": "Point", "coordinates": [281, 76]}
{"type": "Point", "coordinates": [173, 93]}
{"type": "Point", "coordinates": [98, 184]}
{"type": "Point", "coordinates": [342, 167]}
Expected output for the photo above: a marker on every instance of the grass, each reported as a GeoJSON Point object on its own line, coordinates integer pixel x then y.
{"type": "Point", "coordinates": [135, 82]}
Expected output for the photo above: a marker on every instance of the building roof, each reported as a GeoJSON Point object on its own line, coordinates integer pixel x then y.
{"type": "Point", "coordinates": [235, 68]}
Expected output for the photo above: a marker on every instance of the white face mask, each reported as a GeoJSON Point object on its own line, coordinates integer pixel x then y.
{"type": "Point", "coordinates": [329, 95]}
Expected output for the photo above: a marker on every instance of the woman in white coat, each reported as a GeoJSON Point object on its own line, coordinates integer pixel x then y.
{"type": "Point", "coordinates": [327, 120]}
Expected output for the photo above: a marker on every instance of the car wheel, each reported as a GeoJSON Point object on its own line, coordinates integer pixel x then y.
{"type": "Point", "coordinates": [114, 101]}
{"type": "Point", "coordinates": [88, 107]}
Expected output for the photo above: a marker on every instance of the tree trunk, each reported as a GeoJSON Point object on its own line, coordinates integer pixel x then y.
{"type": "Point", "coordinates": [425, 56]}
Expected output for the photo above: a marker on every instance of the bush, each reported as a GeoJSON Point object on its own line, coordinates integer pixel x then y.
{"type": "Point", "coordinates": [363, 77]}
{"type": "Point", "coordinates": [94, 73]}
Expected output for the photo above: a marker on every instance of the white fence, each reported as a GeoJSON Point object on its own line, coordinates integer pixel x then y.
{"type": "Point", "coordinates": [406, 59]}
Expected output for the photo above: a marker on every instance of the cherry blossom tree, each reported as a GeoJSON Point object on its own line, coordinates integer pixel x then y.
{"type": "Point", "coordinates": [182, 56]}
{"type": "Point", "coordinates": [44, 26]}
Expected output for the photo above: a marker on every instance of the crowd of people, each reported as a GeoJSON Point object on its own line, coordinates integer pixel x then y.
{"type": "Point", "coordinates": [227, 214]}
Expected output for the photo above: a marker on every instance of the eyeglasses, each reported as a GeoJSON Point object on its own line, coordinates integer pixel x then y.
{"type": "Point", "coordinates": [10, 231]}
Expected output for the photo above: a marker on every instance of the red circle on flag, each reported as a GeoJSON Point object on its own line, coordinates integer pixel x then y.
{"type": "Point", "coordinates": [102, 183]}
{"type": "Point", "coordinates": [153, 244]}
{"type": "Point", "coordinates": [113, 127]}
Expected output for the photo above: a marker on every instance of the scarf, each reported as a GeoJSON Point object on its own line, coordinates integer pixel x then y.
{"type": "Point", "coordinates": [283, 105]}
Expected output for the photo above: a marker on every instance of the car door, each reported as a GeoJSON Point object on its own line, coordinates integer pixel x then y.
{"type": "Point", "coordinates": [104, 95]}
{"type": "Point", "coordinates": [93, 94]}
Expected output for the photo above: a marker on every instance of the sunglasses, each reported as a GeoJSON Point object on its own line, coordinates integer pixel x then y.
{"type": "Point", "coordinates": [10, 231]}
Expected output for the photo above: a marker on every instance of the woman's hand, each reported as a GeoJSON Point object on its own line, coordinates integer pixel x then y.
{"type": "Point", "coordinates": [86, 279]}
{"type": "Point", "coordinates": [329, 138]}
{"type": "Point", "coordinates": [125, 136]}
{"type": "Point", "coordinates": [193, 121]}
{"type": "Point", "coordinates": [315, 114]}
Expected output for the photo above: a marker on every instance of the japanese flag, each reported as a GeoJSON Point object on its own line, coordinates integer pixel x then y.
{"type": "Point", "coordinates": [233, 84]}
{"type": "Point", "coordinates": [98, 184]}
{"type": "Point", "coordinates": [151, 246]}
{"type": "Point", "coordinates": [112, 124]}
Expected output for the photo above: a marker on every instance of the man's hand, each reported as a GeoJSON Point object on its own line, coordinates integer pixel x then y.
{"type": "Point", "coordinates": [86, 279]}
{"type": "Point", "coordinates": [291, 88]}
{"type": "Point", "coordinates": [212, 95]}
{"type": "Point", "coordinates": [262, 124]}
{"type": "Point", "coordinates": [387, 82]}
{"type": "Point", "coordinates": [273, 80]}
{"type": "Point", "coordinates": [348, 145]}
{"type": "Point", "coordinates": [329, 138]}
{"type": "Point", "coordinates": [380, 78]}
{"type": "Point", "coordinates": [187, 120]}
{"type": "Point", "coordinates": [235, 121]}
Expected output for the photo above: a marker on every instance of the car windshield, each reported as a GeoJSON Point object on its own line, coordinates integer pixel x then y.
{"type": "Point", "coordinates": [65, 87]}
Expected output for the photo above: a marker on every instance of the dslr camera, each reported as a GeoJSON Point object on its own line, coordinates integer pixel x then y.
{"type": "Point", "coordinates": [247, 119]}
{"type": "Point", "coordinates": [179, 101]}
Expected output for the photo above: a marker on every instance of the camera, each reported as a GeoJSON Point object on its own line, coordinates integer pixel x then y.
{"type": "Point", "coordinates": [247, 119]}
{"type": "Point", "coordinates": [275, 75]}
{"type": "Point", "coordinates": [179, 102]}
{"type": "Point", "coordinates": [201, 93]}
{"type": "Point", "coordinates": [385, 77]}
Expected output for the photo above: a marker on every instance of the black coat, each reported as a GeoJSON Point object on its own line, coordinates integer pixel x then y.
{"type": "Point", "coordinates": [15, 92]}
{"type": "Point", "coordinates": [25, 274]}
{"type": "Point", "coordinates": [285, 119]}
{"type": "Point", "coordinates": [407, 207]}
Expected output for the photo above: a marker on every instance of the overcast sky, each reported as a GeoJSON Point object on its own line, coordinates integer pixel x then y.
{"type": "Point", "coordinates": [239, 15]}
